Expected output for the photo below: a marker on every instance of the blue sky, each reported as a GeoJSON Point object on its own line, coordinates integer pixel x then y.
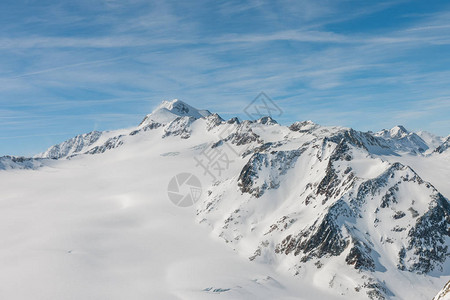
{"type": "Point", "coordinates": [69, 67]}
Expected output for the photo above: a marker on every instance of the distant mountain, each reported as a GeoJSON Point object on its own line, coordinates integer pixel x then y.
{"type": "Point", "coordinates": [19, 162]}
{"type": "Point", "coordinates": [168, 111]}
{"type": "Point", "coordinates": [401, 140]}
{"type": "Point", "coordinates": [444, 146]}
{"type": "Point", "coordinates": [73, 146]}
{"type": "Point", "coordinates": [433, 141]}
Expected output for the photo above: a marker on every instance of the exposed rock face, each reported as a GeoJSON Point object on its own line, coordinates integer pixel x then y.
{"type": "Point", "coordinates": [266, 121]}
{"type": "Point", "coordinates": [243, 134]}
{"type": "Point", "coordinates": [273, 165]}
{"type": "Point", "coordinates": [179, 127]}
{"type": "Point", "coordinates": [427, 247]}
{"type": "Point", "coordinates": [322, 238]}
{"type": "Point", "coordinates": [360, 256]}
{"type": "Point", "coordinates": [233, 121]}
{"type": "Point", "coordinates": [213, 121]}
{"type": "Point", "coordinates": [72, 146]}
{"type": "Point", "coordinates": [443, 147]}
{"type": "Point", "coordinates": [363, 139]}
{"type": "Point", "coordinates": [238, 134]}
{"type": "Point", "coordinates": [331, 184]}
{"type": "Point", "coordinates": [444, 294]}
{"type": "Point", "coordinates": [147, 127]}
{"type": "Point", "coordinates": [303, 127]}
{"type": "Point", "coordinates": [111, 143]}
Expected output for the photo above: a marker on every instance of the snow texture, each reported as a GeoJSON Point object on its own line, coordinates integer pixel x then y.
{"type": "Point", "coordinates": [300, 212]}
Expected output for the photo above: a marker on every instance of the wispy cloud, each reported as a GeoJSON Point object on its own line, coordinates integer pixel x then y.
{"type": "Point", "coordinates": [83, 64]}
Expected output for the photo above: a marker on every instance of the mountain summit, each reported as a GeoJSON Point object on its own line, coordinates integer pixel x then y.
{"type": "Point", "coordinates": [398, 132]}
{"type": "Point", "coordinates": [403, 140]}
{"type": "Point", "coordinates": [168, 111]}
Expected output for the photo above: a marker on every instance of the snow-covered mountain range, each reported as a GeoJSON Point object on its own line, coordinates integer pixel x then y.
{"type": "Point", "coordinates": [338, 212]}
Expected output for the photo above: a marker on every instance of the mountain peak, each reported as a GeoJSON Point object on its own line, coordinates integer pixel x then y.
{"type": "Point", "coordinates": [181, 109]}
{"type": "Point", "coordinates": [398, 131]}
{"type": "Point", "coordinates": [400, 138]}
{"type": "Point", "coordinates": [167, 111]}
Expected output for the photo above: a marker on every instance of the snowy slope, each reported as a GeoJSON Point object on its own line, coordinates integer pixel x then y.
{"type": "Point", "coordinates": [298, 212]}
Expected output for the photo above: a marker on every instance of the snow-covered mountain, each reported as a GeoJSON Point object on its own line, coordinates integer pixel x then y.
{"type": "Point", "coordinates": [443, 147]}
{"type": "Point", "coordinates": [19, 162]}
{"type": "Point", "coordinates": [315, 212]}
{"type": "Point", "coordinates": [168, 111]}
{"type": "Point", "coordinates": [402, 140]}
{"type": "Point", "coordinates": [433, 141]}
{"type": "Point", "coordinates": [75, 145]}
{"type": "Point", "coordinates": [176, 115]}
